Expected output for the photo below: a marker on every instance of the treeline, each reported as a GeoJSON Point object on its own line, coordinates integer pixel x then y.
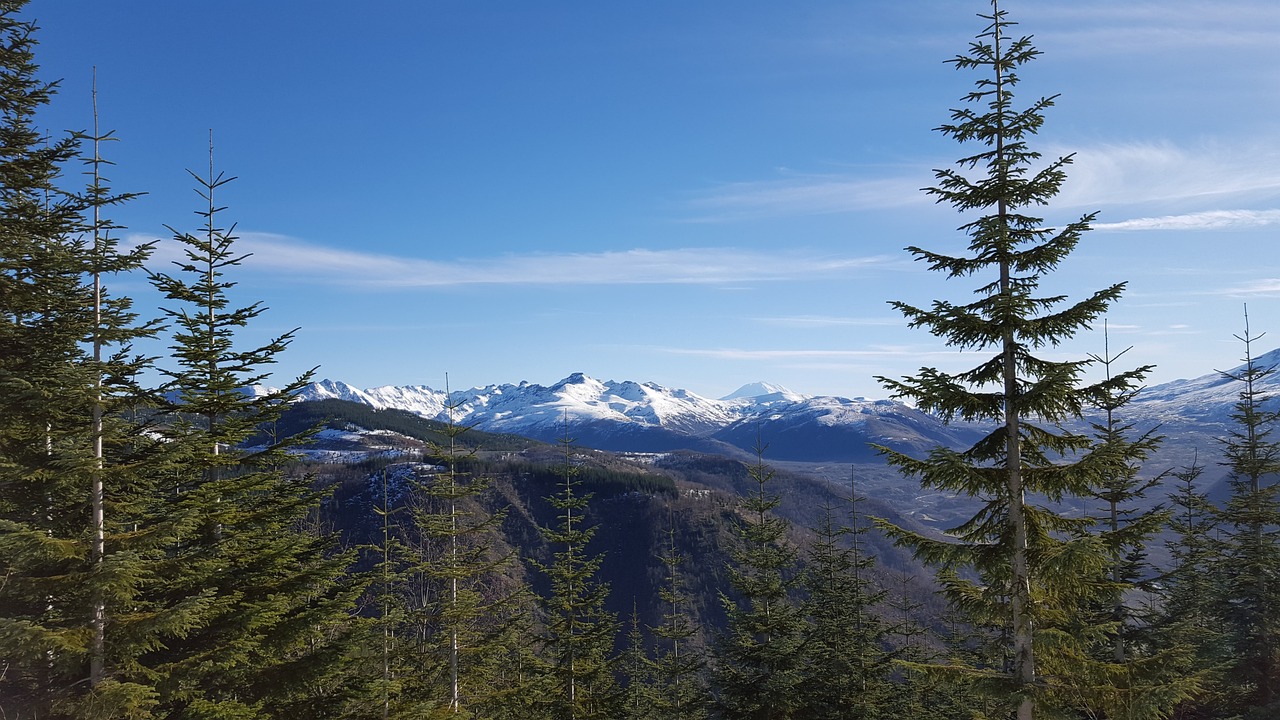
{"type": "Point", "coordinates": [151, 565]}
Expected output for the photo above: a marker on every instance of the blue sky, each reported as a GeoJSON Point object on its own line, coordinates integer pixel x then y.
{"type": "Point", "coordinates": [699, 194]}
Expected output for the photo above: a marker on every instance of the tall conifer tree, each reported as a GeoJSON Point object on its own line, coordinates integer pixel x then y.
{"type": "Point", "coordinates": [1250, 547]}
{"type": "Point", "coordinates": [679, 689]}
{"type": "Point", "coordinates": [1190, 588]}
{"type": "Point", "coordinates": [577, 646]}
{"type": "Point", "coordinates": [1124, 525]}
{"type": "Point", "coordinates": [467, 609]}
{"type": "Point", "coordinates": [1126, 673]}
{"type": "Point", "coordinates": [69, 482]}
{"type": "Point", "coordinates": [759, 669]}
{"type": "Point", "coordinates": [847, 674]}
{"type": "Point", "coordinates": [268, 640]}
{"type": "Point", "coordinates": [1018, 549]}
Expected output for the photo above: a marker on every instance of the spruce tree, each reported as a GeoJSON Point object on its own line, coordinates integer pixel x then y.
{"type": "Point", "coordinates": [270, 636]}
{"type": "Point", "coordinates": [467, 608]}
{"type": "Point", "coordinates": [759, 668]}
{"type": "Point", "coordinates": [44, 530]}
{"type": "Point", "coordinates": [383, 655]}
{"type": "Point", "coordinates": [1190, 589]}
{"type": "Point", "coordinates": [636, 668]}
{"type": "Point", "coordinates": [847, 674]}
{"type": "Point", "coordinates": [577, 662]}
{"type": "Point", "coordinates": [1250, 546]}
{"type": "Point", "coordinates": [1125, 671]}
{"type": "Point", "coordinates": [70, 481]}
{"type": "Point", "coordinates": [679, 688]}
{"type": "Point", "coordinates": [1125, 525]}
{"type": "Point", "coordinates": [907, 638]}
{"type": "Point", "coordinates": [1028, 560]}
{"type": "Point", "coordinates": [518, 685]}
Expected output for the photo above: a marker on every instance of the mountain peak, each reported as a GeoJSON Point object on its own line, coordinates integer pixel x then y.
{"type": "Point", "coordinates": [762, 389]}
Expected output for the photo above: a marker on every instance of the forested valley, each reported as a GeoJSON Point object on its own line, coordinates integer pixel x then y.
{"type": "Point", "coordinates": [169, 550]}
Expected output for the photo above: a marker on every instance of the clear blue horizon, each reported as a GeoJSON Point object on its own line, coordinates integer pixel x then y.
{"type": "Point", "coordinates": [700, 195]}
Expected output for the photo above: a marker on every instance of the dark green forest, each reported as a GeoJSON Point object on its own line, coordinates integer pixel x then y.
{"type": "Point", "coordinates": [166, 551]}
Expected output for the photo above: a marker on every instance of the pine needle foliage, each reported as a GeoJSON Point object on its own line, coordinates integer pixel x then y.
{"type": "Point", "coordinates": [759, 666]}
{"type": "Point", "coordinates": [1124, 672]}
{"type": "Point", "coordinates": [468, 607]}
{"type": "Point", "coordinates": [847, 666]}
{"type": "Point", "coordinates": [72, 480]}
{"type": "Point", "coordinates": [1250, 543]}
{"type": "Point", "coordinates": [1189, 590]}
{"type": "Point", "coordinates": [1125, 525]}
{"type": "Point", "coordinates": [636, 669]}
{"type": "Point", "coordinates": [1033, 566]}
{"type": "Point", "coordinates": [577, 661]}
{"type": "Point", "coordinates": [678, 689]}
{"type": "Point", "coordinates": [274, 603]}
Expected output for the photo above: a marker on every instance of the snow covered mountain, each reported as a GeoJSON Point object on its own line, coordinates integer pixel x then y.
{"type": "Point", "coordinates": [1207, 400]}
{"type": "Point", "coordinates": [646, 417]}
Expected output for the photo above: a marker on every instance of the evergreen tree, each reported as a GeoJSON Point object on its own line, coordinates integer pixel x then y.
{"type": "Point", "coordinates": [638, 694]}
{"type": "Point", "coordinates": [844, 638]}
{"type": "Point", "coordinates": [1250, 546]}
{"type": "Point", "coordinates": [913, 693]}
{"type": "Point", "coordinates": [759, 667]}
{"type": "Point", "coordinates": [518, 685]}
{"type": "Point", "coordinates": [111, 327]}
{"type": "Point", "coordinates": [70, 484]}
{"type": "Point", "coordinates": [467, 608]}
{"type": "Point", "coordinates": [1032, 563]}
{"type": "Point", "coordinates": [1187, 615]}
{"type": "Point", "coordinates": [1123, 671]}
{"type": "Point", "coordinates": [679, 689]}
{"type": "Point", "coordinates": [972, 650]}
{"type": "Point", "coordinates": [1126, 527]}
{"type": "Point", "coordinates": [383, 653]}
{"type": "Point", "coordinates": [577, 645]}
{"type": "Point", "coordinates": [270, 635]}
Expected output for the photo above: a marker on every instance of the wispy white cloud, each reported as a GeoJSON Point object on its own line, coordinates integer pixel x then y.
{"type": "Point", "coordinates": [1262, 287]}
{"type": "Point", "coordinates": [1207, 220]}
{"type": "Point", "coordinates": [800, 194]}
{"type": "Point", "coordinates": [1108, 27]}
{"type": "Point", "coordinates": [307, 261]}
{"type": "Point", "coordinates": [1207, 174]}
{"type": "Point", "coordinates": [1152, 172]}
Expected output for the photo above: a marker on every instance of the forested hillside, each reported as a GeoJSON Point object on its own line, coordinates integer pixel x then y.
{"type": "Point", "coordinates": [174, 546]}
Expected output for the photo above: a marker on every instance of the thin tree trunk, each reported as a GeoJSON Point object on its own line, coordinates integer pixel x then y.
{"type": "Point", "coordinates": [1023, 651]}
{"type": "Point", "coordinates": [454, 702]}
{"type": "Point", "coordinates": [97, 656]}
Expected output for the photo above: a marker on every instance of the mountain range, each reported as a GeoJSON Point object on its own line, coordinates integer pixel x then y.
{"type": "Point", "coordinates": [645, 417]}
{"type": "Point", "coordinates": [631, 416]}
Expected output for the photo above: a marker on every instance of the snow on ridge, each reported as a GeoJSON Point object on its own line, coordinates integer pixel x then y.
{"type": "Point", "coordinates": [333, 390]}
{"type": "Point", "coordinates": [418, 399]}
{"type": "Point", "coordinates": [763, 392]}
{"type": "Point", "coordinates": [1208, 397]}
{"type": "Point", "coordinates": [541, 410]}
{"type": "Point", "coordinates": [512, 408]}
